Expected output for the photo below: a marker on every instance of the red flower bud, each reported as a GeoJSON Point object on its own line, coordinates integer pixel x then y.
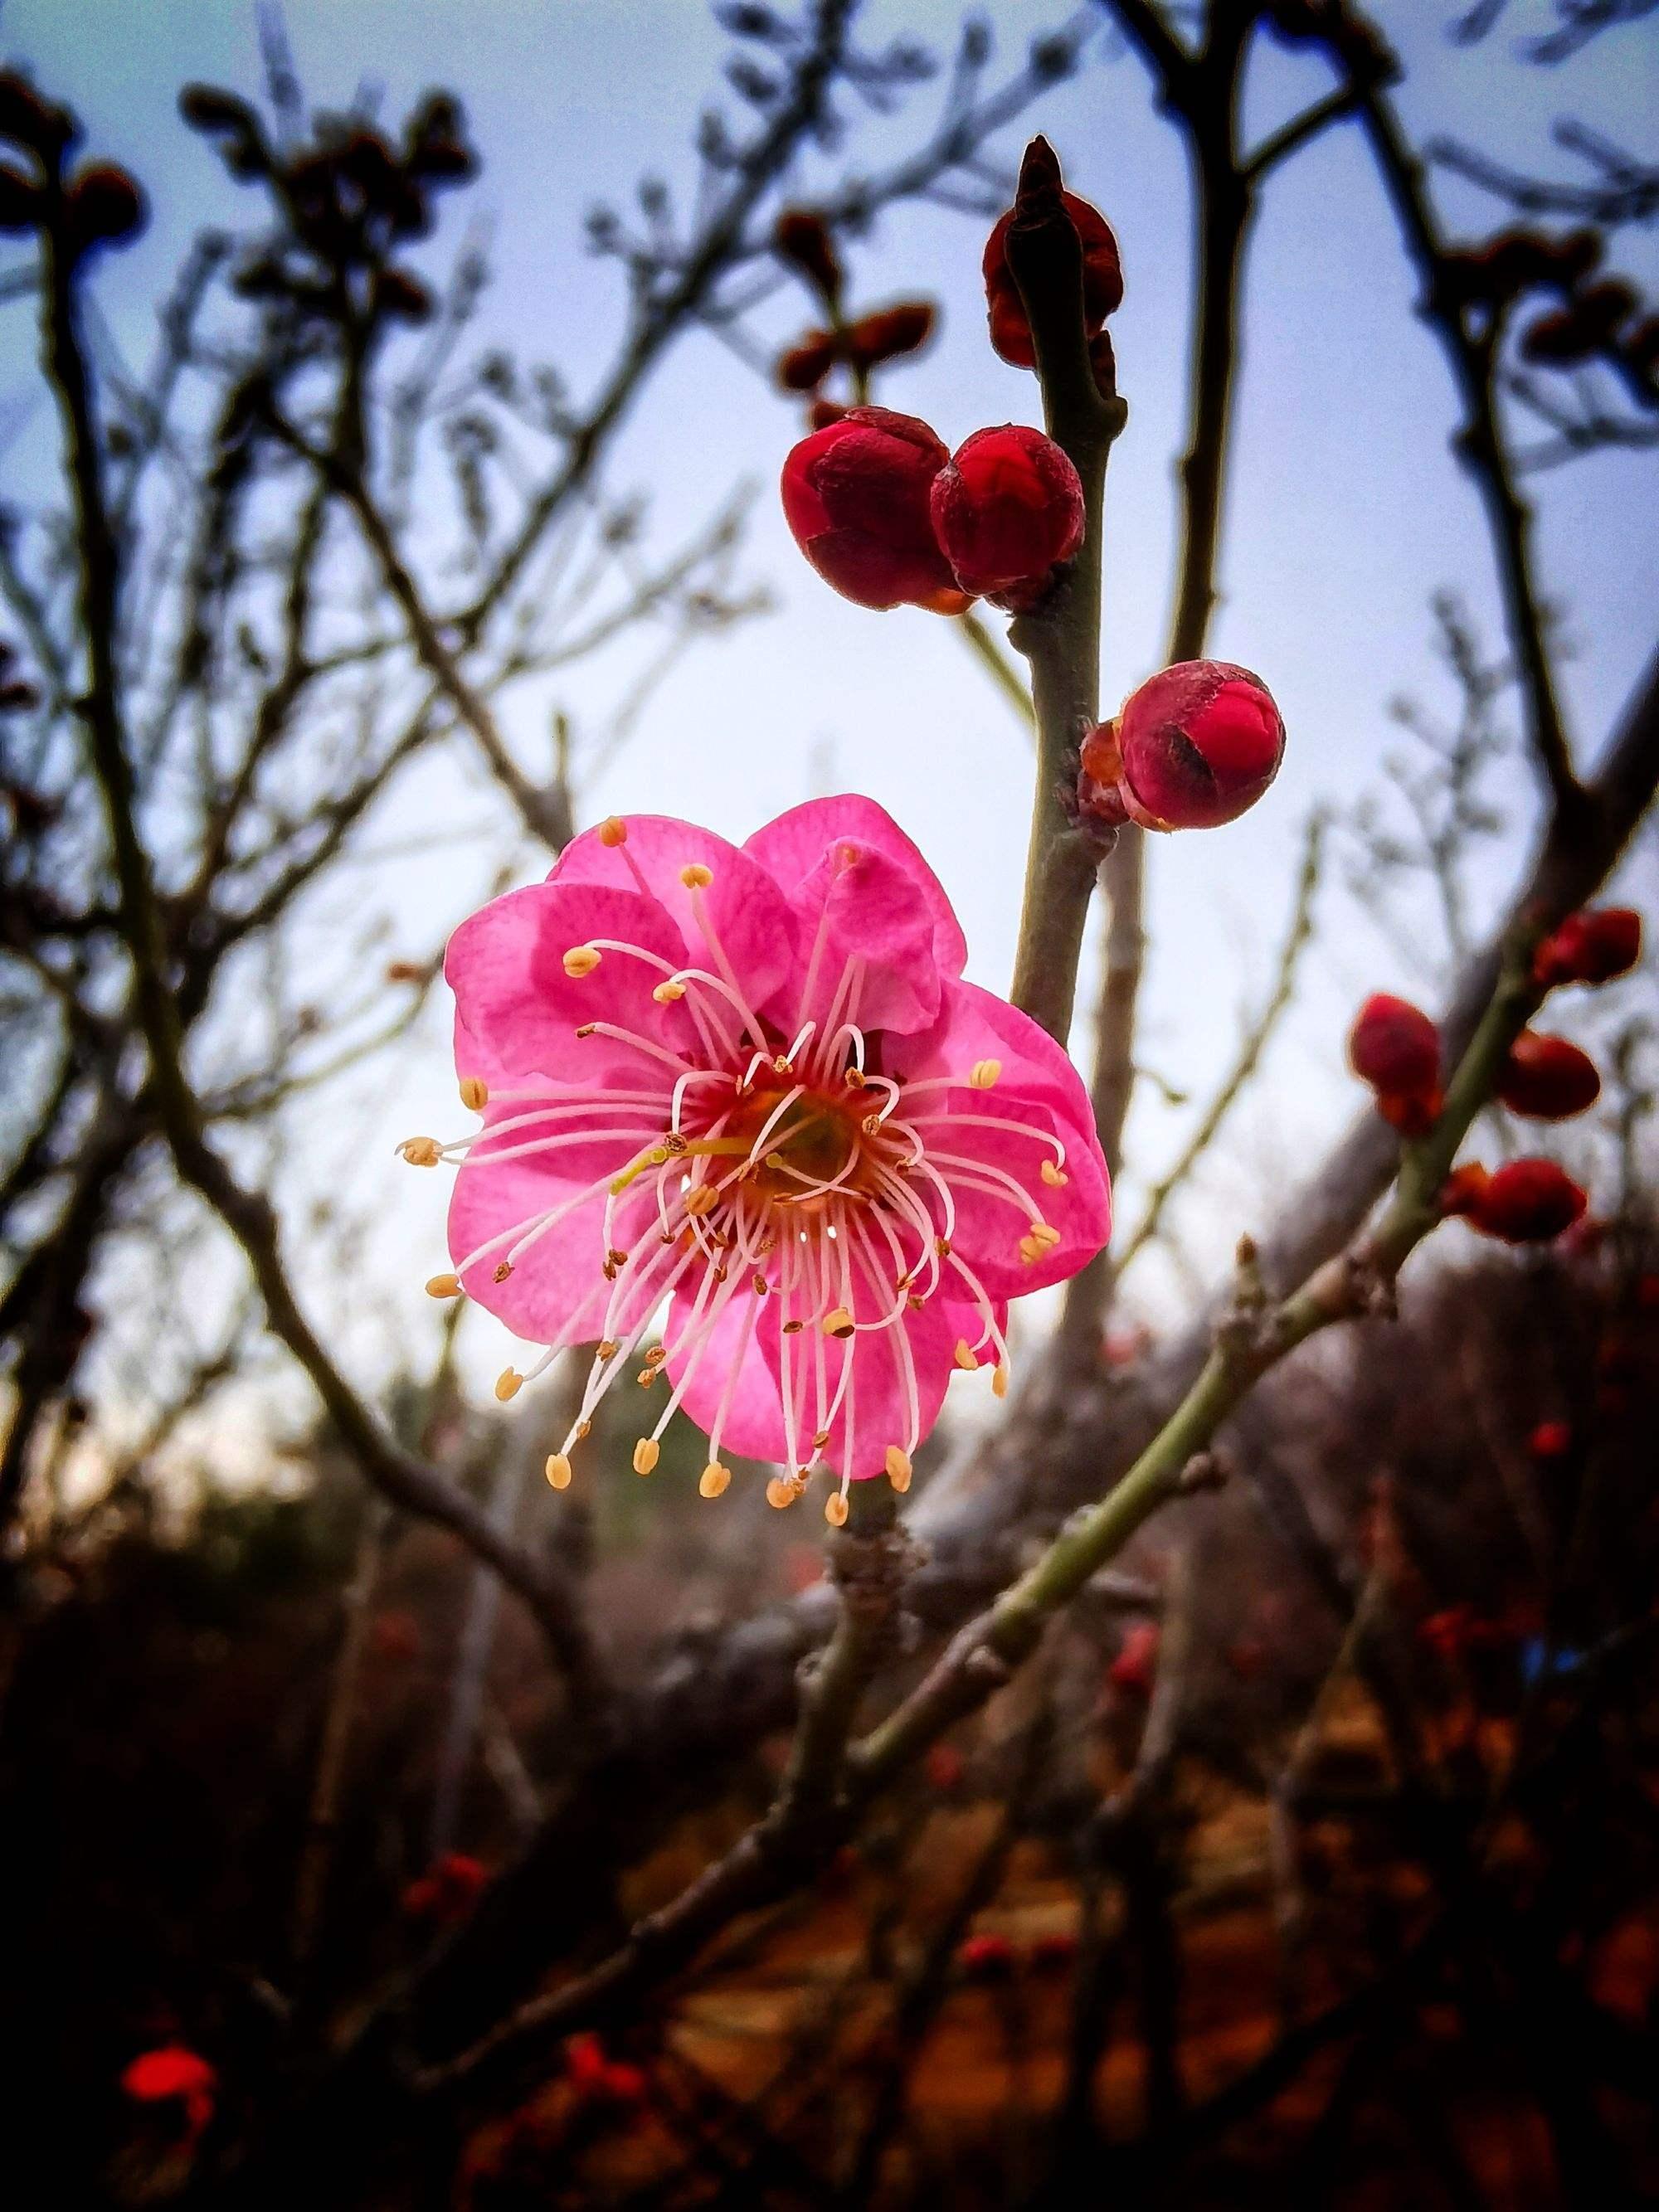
{"type": "Point", "coordinates": [1524, 1202]}
{"type": "Point", "coordinates": [446, 1891]}
{"type": "Point", "coordinates": [1548, 1077]}
{"type": "Point", "coordinates": [105, 207]}
{"type": "Point", "coordinates": [1193, 748]}
{"type": "Point", "coordinates": [1591, 946]}
{"type": "Point", "coordinates": [1550, 1440]}
{"type": "Point", "coordinates": [1136, 1661]}
{"type": "Point", "coordinates": [1463, 1189]}
{"type": "Point", "coordinates": [889, 332]}
{"type": "Point", "coordinates": [804, 366]}
{"type": "Point", "coordinates": [803, 240]}
{"type": "Point", "coordinates": [855, 496]}
{"type": "Point", "coordinates": [1007, 508]}
{"type": "Point", "coordinates": [986, 1958]}
{"type": "Point", "coordinates": [1103, 281]}
{"type": "Point", "coordinates": [173, 2070]}
{"type": "Point", "coordinates": [1395, 1048]}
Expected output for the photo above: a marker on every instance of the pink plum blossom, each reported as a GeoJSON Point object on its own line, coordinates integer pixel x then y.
{"type": "Point", "coordinates": [753, 1084]}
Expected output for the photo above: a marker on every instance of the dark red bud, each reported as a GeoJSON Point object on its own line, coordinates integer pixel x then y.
{"type": "Point", "coordinates": [404, 297]}
{"type": "Point", "coordinates": [20, 204]}
{"type": "Point", "coordinates": [987, 1958]}
{"type": "Point", "coordinates": [1135, 1663]}
{"type": "Point", "coordinates": [1574, 254]}
{"type": "Point", "coordinates": [105, 207]}
{"type": "Point", "coordinates": [804, 366]}
{"type": "Point", "coordinates": [1561, 338]}
{"type": "Point", "coordinates": [1463, 1189]}
{"type": "Point", "coordinates": [1548, 1077]}
{"type": "Point", "coordinates": [446, 1891]}
{"type": "Point", "coordinates": [1602, 307]}
{"type": "Point", "coordinates": [855, 495]}
{"type": "Point", "coordinates": [1198, 744]}
{"type": "Point", "coordinates": [889, 333]}
{"type": "Point", "coordinates": [1103, 281]}
{"type": "Point", "coordinates": [1550, 1440]}
{"type": "Point", "coordinates": [1007, 509]}
{"type": "Point", "coordinates": [1395, 1048]}
{"type": "Point", "coordinates": [174, 2074]}
{"type": "Point", "coordinates": [1591, 946]}
{"type": "Point", "coordinates": [1527, 1202]}
{"type": "Point", "coordinates": [803, 240]}
{"type": "Point", "coordinates": [27, 118]}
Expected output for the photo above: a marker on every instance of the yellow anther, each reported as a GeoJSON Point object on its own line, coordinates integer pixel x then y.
{"type": "Point", "coordinates": [714, 1479]}
{"type": "Point", "coordinates": [580, 960]}
{"type": "Point", "coordinates": [838, 1322]}
{"type": "Point", "coordinates": [854, 1079]}
{"type": "Point", "coordinates": [502, 1271]}
{"type": "Point", "coordinates": [443, 1286]}
{"type": "Point", "coordinates": [781, 1491]}
{"type": "Point", "coordinates": [983, 1073]}
{"type": "Point", "coordinates": [607, 1348]}
{"type": "Point", "coordinates": [1056, 1178]}
{"type": "Point", "coordinates": [647, 1453]}
{"type": "Point", "coordinates": [509, 1384]}
{"type": "Point", "coordinates": [558, 1470]}
{"type": "Point", "coordinates": [1030, 1250]}
{"type": "Point", "coordinates": [668, 991]}
{"type": "Point", "coordinates": [704, 1198]}
{"type": "Point", "coordinates": [645, 1377]}
{"type": "Point", "coordinates": [696, 877]}
{"type": "Point", "coordinates": [964, 1355]}
{"type": "Point", "coordinates": [899, 1469]}
{"type": "Point", "coordinates": [1044, 1237]}
{"type": "Point", "coordinates": [656, 1355]}
{"type": "Point", "coordinates": [613, 830]}
{"type": "Point", "coordinates": [421, 1151]}
{"type": "Point", "coordinates": [835, 1510]}
{"type": "Point", "coordinates": [999, 1380]}
{"type": "Point", "coordinates": [475, 1093]}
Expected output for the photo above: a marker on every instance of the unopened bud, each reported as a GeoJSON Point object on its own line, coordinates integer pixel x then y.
{"type": "Point", "coordinates": [1395, 1048]}
{"type": "Point", "coordinates": [1548, 1077]}
{"type": "Point", "coordinates": [104, 206]}
{"type": "Point", "coordinates": [1524, 1202]}
{"type": "Point", "coordinates": [889, 332]}
{"type": "Point", "coordinates": [1592, 946]}
{"type": "Point", "coordinates": [1007, 509]}
{"type": "Point", "coordinates": [803, 240]}
{"type": "Point", "coordinates": [1194, 747]}
{"type": "Point", "coordinates": [1103, 281]}
{"type": "Point", "coordinates": [855, 496]}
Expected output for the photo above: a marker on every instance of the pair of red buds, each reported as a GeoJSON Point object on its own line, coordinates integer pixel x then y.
{"type": "Point", "coordinates": [1590, 947]}
{"type": "Point", "coordinates": [889, 517]}
{"type": "Point", "coordinates": [1395, 1048]}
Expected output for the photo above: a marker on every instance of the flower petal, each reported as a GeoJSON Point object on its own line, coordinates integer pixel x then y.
{"type": "Point", "coordinates": [992, 1223]}
{"type": "Point", "coordinates": [557, 1292]}
{"type": "Point", "coordinates": [519, 1011]}
{"type": "Point", "coordinates": [791, 848]}
{"type": "Point", "coordinates": [754, 926]}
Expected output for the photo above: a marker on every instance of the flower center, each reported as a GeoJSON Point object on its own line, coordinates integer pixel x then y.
{"type": "Point", "coordinates": [814, 1143]}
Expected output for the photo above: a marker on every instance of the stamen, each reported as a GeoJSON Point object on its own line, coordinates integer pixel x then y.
{"type": "Point", "coordinates": [836, 1509]}
{"type": "Point", "coordinates": [982, 1075]}
{"type": "Point", "coordinates": [667, 993]}
{"type": "Point", "coordinates": [509, 1384]}
{"type": "Point", "coordinates": [781, 1491]}
{"type": "Point", "coordinates": [647, 1453]}
{"type": "Point", "coordinates": [964, 1355]}
{"type": "Point", "coordinates": [838, 1322]}
{"type": "Point", "coordinates": [475, 1094]}
{"type": "Point", "coordinates": [1054, 1177]}
{"type": "Point", "coordinates": [443, 1286]}
{"type": "Point", "coordinates": [696, 877]}
{"type": "Point", "coordinates": [613, 831]}
{"type": "Point", "coordinates": [714, 1479]}
{"type": "Point", "coordinates": [899, 1469]}
{"type": "Point", "coordinates": [582, 960]}
{"type": "Point", "coordinates": [421, 1152]}
{"type": "Point", "coordinates": [557, 1470]}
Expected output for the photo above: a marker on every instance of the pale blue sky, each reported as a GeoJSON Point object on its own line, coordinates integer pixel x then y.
{"type": "Point", "coordinates": [1346, 508]}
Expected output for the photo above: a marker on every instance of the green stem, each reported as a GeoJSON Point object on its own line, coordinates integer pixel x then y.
{"type": "Point", "coordinates": [981, 643]}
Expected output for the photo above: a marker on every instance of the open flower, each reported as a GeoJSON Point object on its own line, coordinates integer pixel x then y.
{"type": "Point", "coordinates": [752, 1083]}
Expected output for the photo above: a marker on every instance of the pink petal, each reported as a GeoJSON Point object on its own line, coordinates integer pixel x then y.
{"type": "Point", "coordinates": [975, 1025]}
{"type": "Point", "coordinates": [556, 1292]}
{"type": "Point", "coordinates": [866, 906]}
{"type": "Point", "coordinates": [793, 845]}
{"type": "Point", "coordinates": [517, 1011]}
{"type": "Point", "coordinates": [755, 927]}
{"type": "Point", "coordinates": [989, 1222]}
{"type": "Point", "coordinates": [753, 1428]}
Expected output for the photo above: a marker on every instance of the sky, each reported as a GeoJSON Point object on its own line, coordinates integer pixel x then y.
{"type": "Point", "coordinates": [1346, 508]}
